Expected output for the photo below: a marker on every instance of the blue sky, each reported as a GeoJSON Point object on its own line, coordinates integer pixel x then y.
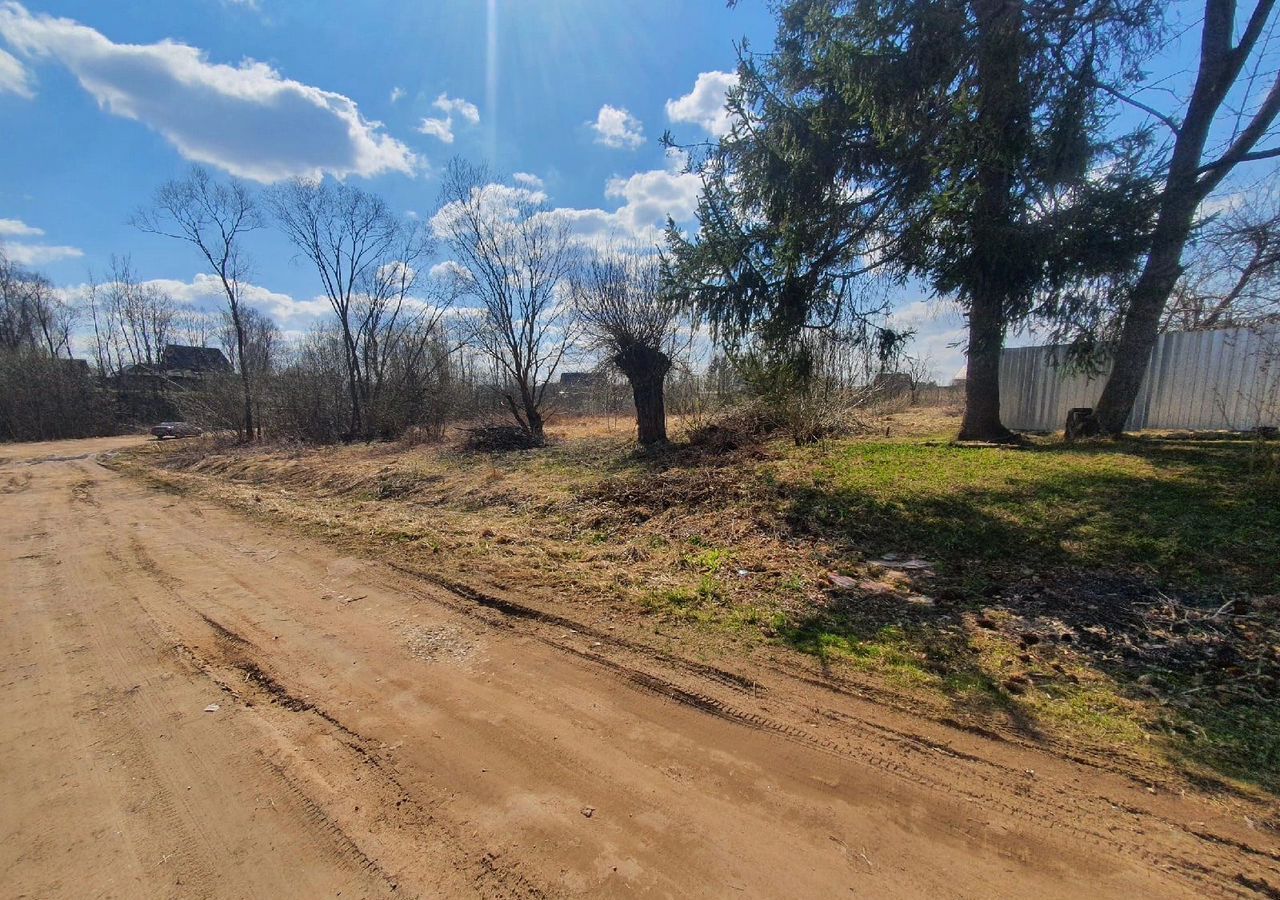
{"type": "Point", "coordinates": [104, 101]}
{"type": "Point", "coordinates": [79, 158]}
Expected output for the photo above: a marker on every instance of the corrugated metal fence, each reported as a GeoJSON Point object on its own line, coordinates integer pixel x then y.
{"type": "Point", "coordinates": [1198, 380]}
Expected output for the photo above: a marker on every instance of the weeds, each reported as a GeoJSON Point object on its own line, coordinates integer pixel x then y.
{"type": "Point", "coordinates": [1070, 592]}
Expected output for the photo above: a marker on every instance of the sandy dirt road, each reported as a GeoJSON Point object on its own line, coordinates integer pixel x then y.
{"type": "Point", "coordinates": [378, 735]}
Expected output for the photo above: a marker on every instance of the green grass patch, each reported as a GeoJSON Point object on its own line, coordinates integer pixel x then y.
{"type": "Point", "coordinates": [709, 561]}
{"type": "Point", "coordinates": [1199, 519]}
{"type": "Point", "coordinates": [1187, 513]}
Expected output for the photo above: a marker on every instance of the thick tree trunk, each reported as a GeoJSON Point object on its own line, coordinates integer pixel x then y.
{"type": "Point", "coordinates": [537, 427]}
{"type": "Point", "coordinates": [982, 375]}
{"type": "Point", "coordinates": [533, 422]}
{"type": "Point", "coordinates": [646, 369]}
{"type": "Point", "coordinates": [1002, 119]}
{"type": "Point", "coordinates": [1141, 325]}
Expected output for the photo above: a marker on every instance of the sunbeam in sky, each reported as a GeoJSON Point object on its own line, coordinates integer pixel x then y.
{"type": "Point", "coordinates": [491, 80]}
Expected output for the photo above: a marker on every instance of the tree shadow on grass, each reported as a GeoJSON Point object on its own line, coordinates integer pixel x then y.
{"type": "Point", "coordinates": [1120, 573]}
{"type": "Point", "coordinates": [1194, 523]}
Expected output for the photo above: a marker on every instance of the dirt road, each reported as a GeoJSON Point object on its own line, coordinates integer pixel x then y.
{"type": "Point", "coordinates": [193, 705]}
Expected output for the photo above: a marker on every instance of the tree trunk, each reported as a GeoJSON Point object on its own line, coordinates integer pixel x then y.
{"type": "Point", "coordinates": [244, 373]}
{"type": "Point", "coordinates": [1141, 327]}
{"type": "Point", "coordinates": [248, 407]}
{"type": "Point", "coordinates": [533, 421]}
{"type": "Point", "coordinates": [982, 375]}
{"type": "Point", "coordinates": [646, 369]}
{"type": "Point", "coordinates": [357, 430]}
{"type": "Point", "coordinates": [1002, 118]}
{"type": "Point", "coordinates": [1189, 181]}
{"type": "Point", "coordinates": [537, 427]}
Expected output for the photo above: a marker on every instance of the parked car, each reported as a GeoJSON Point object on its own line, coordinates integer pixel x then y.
{"type": "Point", "coordinates": [176, 430]}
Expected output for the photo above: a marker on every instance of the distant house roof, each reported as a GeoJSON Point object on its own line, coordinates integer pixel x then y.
{"type": "Point", "coordinates": [577, 379]}
{"type": "Point", "coordinates": [194, 359]}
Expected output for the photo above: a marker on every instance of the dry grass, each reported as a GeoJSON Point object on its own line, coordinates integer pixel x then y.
{"type": "Point", "coordinates": [1046, 567]}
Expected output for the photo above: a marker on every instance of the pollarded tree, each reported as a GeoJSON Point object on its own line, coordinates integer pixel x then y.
{"type": "Point", "coordinates": [957, 142]}
{"type": "Point", "coordinates": [619, 296]}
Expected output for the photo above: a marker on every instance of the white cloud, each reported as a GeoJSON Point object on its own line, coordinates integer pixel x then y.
{"type": "Point", "coordinates": [456, 105]}
{"type": "Point", "coordinates": [438, 128]}
{"type": "Point", "coordinates": [204, 291]}
{"type": "Point", "coordinates": [528, 180]}
{"type": "Point", "coordinates": [649, 197]}
{"type": "Point", "coordinates": [1221, 203]}
{"type": "Point", "coordinates": [940, 334]}
{"type": "Point", "coordinates": [615, 127]}
{"type": "Point", "coordinates": [39, 254]}
{"type": "Point", "coordinates": [14, 77]}
{"type": "Point", "coordinates": [442, 127]}
{"type": "Point", "coordinates": [18, 228]}
{"type": "Point", "coordinates": [396, 93]}
{"type": "Point", "coordinates": [704, 105]}
{"type": "Point", "coordinates": [495, 202]}
{"type": "Point", "coordinates": [246, 119]}
{"type": "Point", "coordinates": [29, 254]}
{"type": "Point", "coordinates": [448, 269]}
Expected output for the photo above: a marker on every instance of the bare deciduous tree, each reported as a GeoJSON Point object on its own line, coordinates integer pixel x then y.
{"type": "Point", "coordinates": [142, 315]}
{"type": "Point", "coordinates": [513, 256]}
{"type": "Point", "coordinates": [404, 345]}
{"type": "Point", "coordinates": [619, 296]}
{"type": "Point", "coordinates": [213, 216]}
{"type": "Point", "coordinates": [367, 259]}
{"type": "Point", "coordinates": [196, 329]}
{"type": "Point", "coordinates": [32, 315]}
{"type": "Point", "coordinates": [44, 393]}
{"type": "Point", "coordinates": [1233, 274]}
{"type": "Point", "coordinates": [262, 347]}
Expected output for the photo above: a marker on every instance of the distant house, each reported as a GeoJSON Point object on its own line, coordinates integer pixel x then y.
{"type": "Point", "coordinates": [196, 360]}
{"type": "Point", "coordinates": [75, 368]}
{"type": "Point", "coordinates": [180, 366]}
{"type": "Point", "coordinates": [579, 391]}
{"type": "Point", "coordinates": [578, 381]}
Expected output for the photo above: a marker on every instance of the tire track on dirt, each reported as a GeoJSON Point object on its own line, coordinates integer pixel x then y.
{"type": "Point", "coordinates": [1202, 867]}
{"type": "Point", "coordinates": [690, 765]}
{"type": "Point", "coordinates": [180, 822]}
{"type": "Point", "coordinates": [1221, 877]}
{"type": "Point", "coordinates": [239, 670]}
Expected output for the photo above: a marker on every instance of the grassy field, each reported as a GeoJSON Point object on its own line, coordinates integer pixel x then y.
{"type": "Point", "coordinates": [1121, 596]}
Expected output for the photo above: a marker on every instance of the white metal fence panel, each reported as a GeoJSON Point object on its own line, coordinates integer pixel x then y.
{"type": "Point", "coordinates": [1197, 380]}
